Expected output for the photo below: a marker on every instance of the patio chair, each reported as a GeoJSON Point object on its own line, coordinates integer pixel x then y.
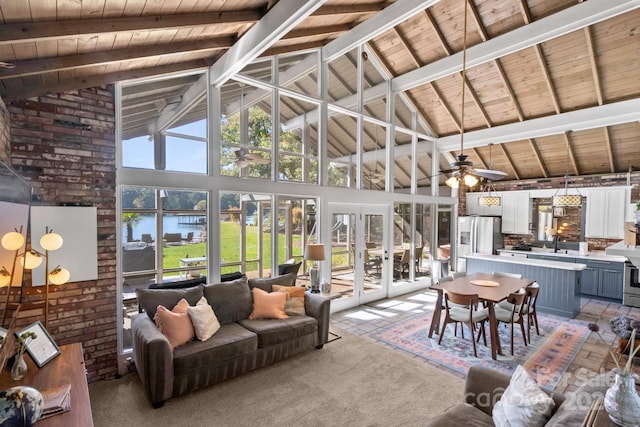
{"type": "Point", "coordinates": [146, 238]}
{"type": "Point", "coordinates": [372, 265]}
{"type": "Point", "coordinates": [418, 255]}
{"type": "Point", "coordinates": [401, 264]}
{"type": "Point", "coordinates": [189, 238]}
{"type": "Point", "coordinates": [469, 315]}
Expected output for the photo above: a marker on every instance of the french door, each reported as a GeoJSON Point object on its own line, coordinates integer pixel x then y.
{"type": "Point", "coordinates": [359, 234]}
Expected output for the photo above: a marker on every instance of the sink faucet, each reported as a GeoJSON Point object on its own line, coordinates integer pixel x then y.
{"type": "Point", "coordinates": [555, 244]}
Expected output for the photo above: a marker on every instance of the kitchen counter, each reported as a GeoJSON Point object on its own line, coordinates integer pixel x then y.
{"type": "Point", "coordinates": [591, 255]}
{"type": "Point", "coordinates": [560, 282]}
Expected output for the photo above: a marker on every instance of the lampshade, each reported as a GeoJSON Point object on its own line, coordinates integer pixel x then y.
{"type": "Point", "coordinates": [567, 200]}
{"type": "Point", "coordinates": [51, 241]}
{"type": "Point", "coordinates": [489, 200]}
{"type": "Point", "coordinates": [452, 182]}
{"type": "Point", "coordinates": [59, 276]}
{"type": "Point", "coordinates": [31, 260]}
{"type": "Point", "coordinates": [314, 252]}
{"type": "Point", "coordinates": [12, 241]}
{"type": "Point", "coordinates": [470, 180]}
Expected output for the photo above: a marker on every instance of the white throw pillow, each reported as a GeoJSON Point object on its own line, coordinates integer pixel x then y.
{"type": "Point", "coordinates": [205, 322]}
{"type": "Point", "coordinates": [523, 403]}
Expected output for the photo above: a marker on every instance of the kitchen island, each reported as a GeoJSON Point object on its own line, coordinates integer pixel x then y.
{"type": "Point", "coordinates": [560, 282]}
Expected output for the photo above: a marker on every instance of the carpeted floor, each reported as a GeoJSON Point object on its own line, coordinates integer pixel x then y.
{"type": "Point", "coordinates": [351, 381]}
{"type": "Point", "coordinates": [546, 358]}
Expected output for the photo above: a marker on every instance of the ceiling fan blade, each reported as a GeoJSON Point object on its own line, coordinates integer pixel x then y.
{"type": "Point", "coordinates": [493, 175]}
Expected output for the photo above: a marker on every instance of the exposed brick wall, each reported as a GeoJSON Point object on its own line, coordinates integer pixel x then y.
{"type": "Point", "coordinates": [65, 146]}
{"type": "Point", "coordinates": [5, 146]}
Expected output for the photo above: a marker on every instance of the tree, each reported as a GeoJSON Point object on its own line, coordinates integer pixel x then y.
{"type": "Point", "coordinates": [130, 220]}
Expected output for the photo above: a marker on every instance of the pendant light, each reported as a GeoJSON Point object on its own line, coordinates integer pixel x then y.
{"type": "Point", "coordinates": [489, 200]}
{"type": "Point", "coordinates": [567, 199]}
{"type": "Point", "coordinates": [462, 162]}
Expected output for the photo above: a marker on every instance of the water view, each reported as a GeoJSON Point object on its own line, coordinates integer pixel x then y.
{"type": "Point", "coordinates": [182, 224]}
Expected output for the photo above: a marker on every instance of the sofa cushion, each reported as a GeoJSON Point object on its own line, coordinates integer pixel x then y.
{"type": "Point", "coordinates": [179, 284]}
{"type": "Point", "coordinates": [231, 301]}
{"type": "Point", "coordinates": [295, 299]}
{"type": "Point", "coordinates": [575, 408]}
{"type": "Point", "coordinates": [461, 414]}
{"type": "Point", "coordinates": [228, 343]}
{"type": "Point", "coordinates": [175, 324]}
{"type": "Point", "coordinates": [266, 283]}
{"type": "Point", "coordinates": [523, 403]}
{"type": "Point", "coordinates": [150, 299]}
{"type": "Point", "coordinates": [275, 331]}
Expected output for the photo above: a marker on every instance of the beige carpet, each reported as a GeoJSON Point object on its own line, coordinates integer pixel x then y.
{"type": "Point", "coordinates": [352, 381]}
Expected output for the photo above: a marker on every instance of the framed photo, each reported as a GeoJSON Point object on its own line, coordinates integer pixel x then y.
{"type": "Point", "coordinates": [43, 348]}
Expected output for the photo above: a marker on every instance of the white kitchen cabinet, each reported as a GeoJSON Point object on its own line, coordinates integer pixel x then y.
{"type": "Point", "coordinates": [474, 209]}
{"type": "Point", "coordinates": [516, 212]}
{"type": "Point", "coordinates": [605, 213]}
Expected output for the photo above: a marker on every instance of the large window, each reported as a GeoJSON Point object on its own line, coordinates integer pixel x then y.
{"type": "Point", "coordinates": [164, 235]}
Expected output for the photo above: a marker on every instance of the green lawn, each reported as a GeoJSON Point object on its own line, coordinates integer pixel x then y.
{"type": "Point", "coordinates": [230, 242]}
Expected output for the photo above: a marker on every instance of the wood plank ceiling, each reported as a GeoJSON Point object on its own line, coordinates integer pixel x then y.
{"type": "Point", "coordinates": [553, 101]}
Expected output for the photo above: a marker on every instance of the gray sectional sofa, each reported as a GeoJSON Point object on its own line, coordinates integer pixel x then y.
{"type": "Point", "coordinates": [239, 346]}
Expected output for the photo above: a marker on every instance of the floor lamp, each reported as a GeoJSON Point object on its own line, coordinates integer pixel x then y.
{"type": "Point", "coordinates": [50, 241]}
{"type": "Point", "coordinates": [314, 253]}
{"type": "Point", "coordinates": [11, 241]}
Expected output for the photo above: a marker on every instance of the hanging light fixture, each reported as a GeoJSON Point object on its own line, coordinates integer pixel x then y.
{"type": "Point", "coordinates": [489, 200]}
{"type": "Point", "coordinates": [567, 199]}
{"type": "Point", "coordinates": [462, 164]}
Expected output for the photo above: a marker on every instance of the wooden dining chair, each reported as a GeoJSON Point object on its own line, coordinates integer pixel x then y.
{"type": "Point", "coordinates": [401, 263]}
{"type": "Point", "coordinates": [513, 316]}
{"type": "Point", "coordinates": [469, 315]}
{"type": "Point", "coordinates": [529, 308]}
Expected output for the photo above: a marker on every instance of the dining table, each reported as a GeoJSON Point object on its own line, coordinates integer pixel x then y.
{"type": "Point", "coordinates": [490, 288]}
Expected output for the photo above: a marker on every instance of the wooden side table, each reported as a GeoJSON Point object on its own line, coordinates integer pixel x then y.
{"type": "Point", "coordinates": [66, 368]}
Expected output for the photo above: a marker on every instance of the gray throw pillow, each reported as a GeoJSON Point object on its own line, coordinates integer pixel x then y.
{"type": "Point", "coordinates": [231, 301]}
{"type": "Point", "coordinates": [150, 299]}
{"type": "Point", "coordinates": [266, 284]}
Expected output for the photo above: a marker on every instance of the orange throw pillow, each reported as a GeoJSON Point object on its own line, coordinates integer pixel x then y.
{"type": "Point", "coordinates": [268, 305]}
{"type": "Point", "coordinates": [175, 324]}
{"type": "Point", "coordinates": [295, 299]}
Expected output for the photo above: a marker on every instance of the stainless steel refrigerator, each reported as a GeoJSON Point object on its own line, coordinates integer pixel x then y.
{"type": "Point", "coordinates": [477, 234]}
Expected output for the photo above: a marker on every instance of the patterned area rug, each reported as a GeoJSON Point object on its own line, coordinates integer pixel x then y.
{"type": "Point", "coordinates": [546, 358]}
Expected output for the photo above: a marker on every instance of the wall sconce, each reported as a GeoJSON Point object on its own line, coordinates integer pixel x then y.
{"type": "Point", "coordinates": [315, 253]}
{"type": "Point", "coordinates": [50, 241]}
{"type": "Point", "coordinates": [11, 241]}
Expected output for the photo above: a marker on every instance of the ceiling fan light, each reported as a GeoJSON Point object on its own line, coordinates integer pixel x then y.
{"type": "Point", "coordinates": [470, 180]}
{"type": "Point", "coordinates": [452, 182]}
{"type": "Point", "coordinates": [490, 201]}
{"type": "Point", "coordinates": [567, 200]}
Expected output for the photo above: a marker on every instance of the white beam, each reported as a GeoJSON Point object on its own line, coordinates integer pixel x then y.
{"type": "Point", "coordinates": [588, 118]}
{"type": "Point", "coordinates": [387, 18]}
{"type": "Point", "coordinates": [568, 20]}
{"type": "Point", "coordinates": [278, 21]}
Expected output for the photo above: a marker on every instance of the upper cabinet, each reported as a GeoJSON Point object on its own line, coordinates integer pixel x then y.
{"type": "Point", "coordinates": [605, 214]}
{"type": "Point", "coordinates": [516, 212]}
{"type": "Point", "coordinates": [473, 208]}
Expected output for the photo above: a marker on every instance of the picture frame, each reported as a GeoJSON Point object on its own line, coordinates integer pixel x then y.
{"type": "Point", "coordinates": [43, 348]}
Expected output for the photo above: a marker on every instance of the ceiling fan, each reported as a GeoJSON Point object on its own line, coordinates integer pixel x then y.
{"type": "Point", "coordinates": [245, 158]}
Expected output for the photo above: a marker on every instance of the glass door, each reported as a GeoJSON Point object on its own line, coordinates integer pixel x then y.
{"type": "Point", "coordinates": [358, 257]}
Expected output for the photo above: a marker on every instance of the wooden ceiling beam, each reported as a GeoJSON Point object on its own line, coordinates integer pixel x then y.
{"type": "Point", "coordinates": [296, 47]}
{"type": "Point", "coordinates": [38, 31]}
{"type": "Point", "coordinates": [570, 154]}
{"type": "Point", "coordinates": [65, 63]}
{"type": "Point", "coordinates": [355, 9]}
{"type": "Point", "coordinates": [317, 31]}
{"type": "Point", "coordinates": [510, 162]}
{"type": "Point", "coordinates": [607, 143]}
{"type": "Point", "coordinates": [13, 92]}
{"type": "Point", "coordinates": [536, 152]}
